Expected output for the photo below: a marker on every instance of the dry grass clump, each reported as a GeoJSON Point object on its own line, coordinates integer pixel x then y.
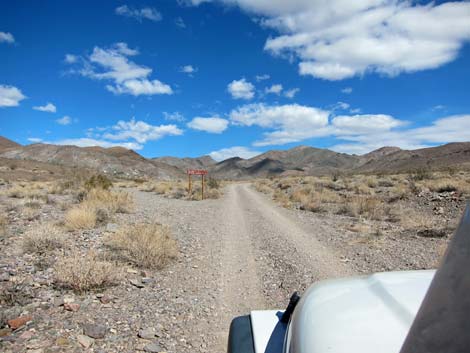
{"type": "Point", "coordinates": [145, 245]}
{"type": "Point", "coordinates": [367, 207]}
{"type": "Point", "coordinates": [282, 198]}
{"type": "Point", "coordinates": [83, 272]}
{"type": "Point", "coordinates": [82, 216]}
{"type": "Point", "coordinates": [23, 190]}
{"type": "Point", "coordinates": [113, 201]}
{"type": "Point", "coordinates": [43, 239]}
{"type": "Point", "coordinates": [310, 203]}
{"type": "Point", "coordinates": [447, 185]}
{"type": "Point", "coordinates": [97, 207]}
{"type": "Point", "coordinates": [262, 186]}
{"type": "Point", "coordinates": [212, 194]}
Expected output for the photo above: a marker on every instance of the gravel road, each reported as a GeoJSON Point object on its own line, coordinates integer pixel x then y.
{"type": "Point", "coordinates": [239, 253]}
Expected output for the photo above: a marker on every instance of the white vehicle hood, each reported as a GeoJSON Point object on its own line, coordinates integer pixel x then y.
{"type": "Point", "coordinates": [364, 314]}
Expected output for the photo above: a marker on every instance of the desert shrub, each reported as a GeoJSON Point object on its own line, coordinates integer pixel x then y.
{"type": "Point", "coordinates": [367, 207]}
{"type": "Point", "coordinates": [98, 182]}
{"type": "Point", "coordinates": [213, 183]}
{"type": "Point", "coordinates": [282, 198]}
{"type": "Point", "coordinates": [262, 186]}
{"type": "Point", "coordinates": [371, 182]}
{"type": "Point", "coordinates": [363, 189]}
{"type": "Point", "coordinates": [386, 183]}
{"type": "Point", "coordinates": [43, 239]}
{"type": "Point", "coordinates": [299, 194]}
{"type": "Point", "coordinates": [145, 245]}
{"type": "Point", "coordinates": [212, 194]}
{"type": "Point", "coordinates": [310, 203]}
{"type": "Point", "coordinates": [162, 188]}
{"type": "Point", "coordinates": [83, 216]}
{"type": "Point", "coordinates": [113, 202]}
{"type": "Point", "coordinates": [399, 192]}
{"type": "Point", "coordinates": [83, 272]}
{"type": "Point", "coordinates": [30, 214]}
{"type": "Point", "coordinates": [420, 174]}
{"type": "Point", "coordinates": [445, 185]}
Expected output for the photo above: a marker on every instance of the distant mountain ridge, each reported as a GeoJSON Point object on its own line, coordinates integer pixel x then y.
{"type": "Point", "coordinates": [301, 160]}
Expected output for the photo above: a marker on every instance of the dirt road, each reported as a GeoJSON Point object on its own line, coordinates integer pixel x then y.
{"type": "Point", "coordinates": [239, 253]}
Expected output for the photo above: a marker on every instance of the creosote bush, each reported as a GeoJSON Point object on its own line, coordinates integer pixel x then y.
{"type": "Point", "coordinates": [145, 245]}
{"type": "Point", "coordinates": [43, 239]}
{"type": "Point", "coordinates": [84, 272]}
{"type": "Point", "coordinates": [98, 182]}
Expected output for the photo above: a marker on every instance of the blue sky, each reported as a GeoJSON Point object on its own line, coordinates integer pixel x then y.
{"type": "Point", "coordinates": [235, 77]}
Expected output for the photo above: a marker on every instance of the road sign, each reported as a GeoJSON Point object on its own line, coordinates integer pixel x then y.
{"type": "Point", "coordinates": [200, 172]}
{"type": "Point", "coordinates": [197, 172]}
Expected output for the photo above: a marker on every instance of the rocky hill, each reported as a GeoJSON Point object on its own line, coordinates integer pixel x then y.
{"type": "Point", "coordinates": [6, 143]}
{"type": "Point", "coordinates": [115, 161]}
{"type": "Point", "coordinates": [203, 162]}
{"type": "Point", "coordinates": [301, 160]}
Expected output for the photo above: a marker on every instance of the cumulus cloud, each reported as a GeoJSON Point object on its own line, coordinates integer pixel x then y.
{"type": "Point", "coordinates": [66, 120]}
{"type": "Point", "coordinates": [127, 77]}
{"type": "Point", "coordinates": [49, 108]}
{"type": "Point", "coordinates": [140, 131]}
{"type": "Point", "coordinates": [148, 13]}
{"type": "Point", "coordinates": [6, 37]}
{"type": "Point", "coordinates": [214, 125]}
{"type": "Point", "coordinates": [290, 122]}
{"type": "Point", "coordinates": [347, 90]}
{"type": "Point", "coordinates": [290, 93]}
{"type": "Point", "coordinates": [447, 129]}
{"type": "Point", "coordinates": [339, 39]}
{"type": "Point", "coordinates": [10, 96]}
{"type": "Point", "coordinates": [90, 142]}
{"type": "Point", "coordinates": [175, 116]}
{"type": "Point", "coordinates": [262, 77]}
{"type": "Point", "coordinates": [70, 58]}
{"type": "Point", "coordinates": [241, 89]}
{"type": "Point", "coordinates": [179, 22]}
{"type": "Point", "coordinates": [236, 151]}
{"type": "Point", "coordinates": [188, 69]}
{"type": "Point", "coordinates": [274, 89]}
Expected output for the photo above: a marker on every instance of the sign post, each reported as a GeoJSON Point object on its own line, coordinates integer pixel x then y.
{"type": "Point", "coordinates": [200, 172]}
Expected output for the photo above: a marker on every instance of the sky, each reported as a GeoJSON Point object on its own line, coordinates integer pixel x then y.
{"type": "Point", "coordinates": [232, 78]}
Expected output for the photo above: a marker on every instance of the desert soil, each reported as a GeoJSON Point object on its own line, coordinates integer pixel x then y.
{"type": "Point", "coordinates": [238, 253]}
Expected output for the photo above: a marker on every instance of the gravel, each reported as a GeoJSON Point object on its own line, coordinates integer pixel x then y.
{"type": "Point", "coordinates": [238, 253]}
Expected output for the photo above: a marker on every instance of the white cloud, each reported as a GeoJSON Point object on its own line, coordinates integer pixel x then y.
{"type": "Point", "coordinates": [363, 139]}
{"type": "Point", "coordinates": [339, 39]}
{"type": "Point", "coordinates": [6, 37]}
{"type": "Point", "coordinates": [70, 58]}
{"type": "Point", "coordinates": [10, 96]}
{"type": "Point", "coordinates": [89, 142]}
{"type": "Point", "coordinates": [141, 131]}
{"type": "Point", "coordinates": [215, 124]}
{"type": "Point", "coordinates": [364, 124]}
{"type": "Point", "coordinates": [188, 69]}
{"type": "Point", "coordinates": [34, 139]}
{"type": "Point", "coordinates": [180, 22]}
{"type": "Point", "coordinates": [275, 89]}
{"type": "Point", "coordinates": [175, 116]}
{"type": "Point", "coordinates": [290, 93]}
{"type": "Point", "coordinates": [49, 107]}
{"type": "Point", "coordinates": [140, 87]}
{"type": "Point", "coordinates": [241, 89]}
{"type": "Point", "coordinates": [148, 13]}
{"type": "Point", "coordinates": [262, 77]}
{"type": "Point", "coordinates": [347, 90]}
{"type": "Point", "coordinates": [113, 64]}
{"type": "Point", "coordinates": [66, 120]}
{"type": "Point", "coordinates": [340, 106]}
{"type": "Point", "coordinates": [291, 122]}
{"type": "Point", "coordinates": [237, 151]}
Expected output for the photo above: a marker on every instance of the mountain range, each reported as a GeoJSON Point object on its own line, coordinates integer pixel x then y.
{"type": "Point", "coordinates": [301, 160]}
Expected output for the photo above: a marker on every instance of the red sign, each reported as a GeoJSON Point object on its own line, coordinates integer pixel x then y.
{"type": "Point", "coordinates": [197, 172]}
